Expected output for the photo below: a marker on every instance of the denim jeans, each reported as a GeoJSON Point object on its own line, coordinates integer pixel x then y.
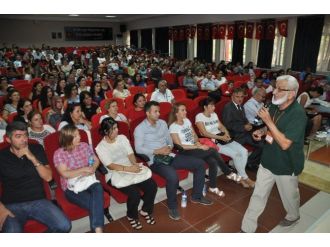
{"type": "Point", "coordinates": [238, 153]}
{"type": "Point", "coordinates": [41, 210]}
{"type": "Point", "coordinates": [91, 200]}
{"type": "Point", "coordinates": [168, 172]}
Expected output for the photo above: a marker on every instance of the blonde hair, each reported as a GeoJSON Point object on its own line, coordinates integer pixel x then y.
{"type": "Point", "coordinates": [109, 102]}
{"type": "Point", "coordinates": [66, 136]}
{"type": "Point", "coordinates": [175, 109]}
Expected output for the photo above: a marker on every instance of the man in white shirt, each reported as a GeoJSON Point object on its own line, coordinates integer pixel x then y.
{"type": "Point", "coordinates": [162, 94]}
{"type": "Point", "coordinates": [254, 104]}
{"type": "Point", "coordinates": [211, 86]}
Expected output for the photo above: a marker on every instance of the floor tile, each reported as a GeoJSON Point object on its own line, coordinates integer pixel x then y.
{"type": "Point", "coordinates": [317, 205]}
{"type": "Point", "coordinates": [115, 227]}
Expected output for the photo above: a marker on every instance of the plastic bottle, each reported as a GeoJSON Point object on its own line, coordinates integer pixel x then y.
{"type": "Point", "coordinates": [184, 200]}
{"type": "Point", "coordinates": [91, 160]}
{"type": "Point", "coordinates": [204, 190]}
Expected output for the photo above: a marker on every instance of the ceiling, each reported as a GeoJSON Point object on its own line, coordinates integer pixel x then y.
{"type": "Point", "coordinates": [120, 18]}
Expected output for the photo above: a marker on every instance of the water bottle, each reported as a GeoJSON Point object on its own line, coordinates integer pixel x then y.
{"type": "Point", "coordinates": [184, 200]}
{"type": "Point", "coordinates": [204, 190]}
{"type": "Point", "coordinates": [91, 160]}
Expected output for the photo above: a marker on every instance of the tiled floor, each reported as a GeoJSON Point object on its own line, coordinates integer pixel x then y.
{"type": "Point", "coordinates": [225, 215]}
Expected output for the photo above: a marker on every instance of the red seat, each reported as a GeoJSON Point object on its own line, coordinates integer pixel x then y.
{"type": "Point", "coordinates": [19, 82]}
{"type": "Point", "coordinates": [179, 94]}
{"type": "Point", "coordinates": [170, 78]}
{"type": "Point", "coordinates": [24, 90]}
{"type": "Point", "coordinates": [11, 117]}
{"type": "Point", "coordinates": [220, 105]}
{"type": "Point", "coordinates": [165, 109]}
{"type": "Point", "coordinates": [136, 89]}
{"type": "Point", "coordinates": [180, 80]}
{"type": "Point", "coordinates": [198, 101]}
{"type": "Point", "coordinates": [96, 119]}
{"type": "Point", "coordinates": [132, 114]}
{"type": "Point", "coordinates": [150, 88]}
{"type": "Point", "coordinates": [73, 211]}
{"type": "Point", "coordinates": [129, 101]}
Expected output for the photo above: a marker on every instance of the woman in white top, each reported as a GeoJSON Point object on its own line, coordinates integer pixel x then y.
{"type": "Point", "coordinates": [116, 154]}
{"type": "Point", "coordinates": [210, 126]}
{"type": "Point", "coordinates": [82, 85]}
{"type": "Point", "coordinates": [112, 108]}
{"type": "Point", "coordinates": [13, 99]}
{"type": "Point", "coordinates": [183, 134]}
{"type": "Point", "coordinates": [120, 91]}
{"type": "Point", "coordinates": [305, 100]}
{"type": "Point", "coordinates": [37, 129]}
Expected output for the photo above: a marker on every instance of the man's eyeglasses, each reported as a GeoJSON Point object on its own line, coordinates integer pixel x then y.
{"type": "Point", "coordinates": [282, 90]}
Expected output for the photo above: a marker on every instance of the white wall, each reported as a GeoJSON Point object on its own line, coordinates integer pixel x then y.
{"type": "Point", "coordinates": [26, 33]}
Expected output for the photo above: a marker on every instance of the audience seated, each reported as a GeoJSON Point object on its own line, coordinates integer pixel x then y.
{"type": "Point", "coordinates": [112, 108]}
{"type": "Point", "coordinates": [162, 93]}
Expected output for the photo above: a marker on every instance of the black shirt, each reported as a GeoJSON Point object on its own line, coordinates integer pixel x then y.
{"type": "Point", "coordinates": [20, 179]}
{"type": "Point", "coordinates": [89, 112]}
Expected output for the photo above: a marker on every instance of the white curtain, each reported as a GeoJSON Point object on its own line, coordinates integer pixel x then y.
{"type": "Point", "coordinates": [323, 60]}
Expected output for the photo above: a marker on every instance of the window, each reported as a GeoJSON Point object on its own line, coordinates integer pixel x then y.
{"type": "Point", "coordinates": [213, 49]}
{"type": "Point", "coordinates": [323, 63]}
{"type": "Point", "coordinates": [228, 49]}
{"type": "Point", "coordinates": [278, 50]}
{"type": "Point", "coordinates": [244, 51]}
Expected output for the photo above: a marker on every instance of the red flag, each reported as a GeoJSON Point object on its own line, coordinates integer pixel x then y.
{"type": "Point", "coordinates": [222, 31]}
{"type": "Point", "coordinates": [175, 34]}
{"type": "Point", "coordinates": [170, 33]}
{"type": "Point", "coordinates": [192, 32]}
{"type": "Point", "coordinates": [240, 30]}
{"type": "Point", "coordinates": [199, 33]}
{"type": "Point", "coordinates": [259, 30]}
{"type": "Point", "coordinates": [270, 30]}
{"type": "Point", "coordinates": [215, 32]}
{"type": "Point", "coordinates": [283, 28]}
{"type": "Point", "coordinates": [249, 30]}
{"type": "Point", "coordinates": [182, 34]}
{"type": "Point", "coordinates": [231, 30]}
{"type": "Point", "coordinates": [206, 33]}
{"type": "Point", "coordinates": [188, 32]}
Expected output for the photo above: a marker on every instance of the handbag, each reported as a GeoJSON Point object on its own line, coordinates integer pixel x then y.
{"type": "Point", "coordinates": [81, 183]}
{"type": "Point", "coordinates": [121, 179]}
{"type": "Point", "coordinates": [163, 159]}
{"type": "Point", "coordinates": [220, 141]}
{"type": "Point", "coordinates": [208, 142]}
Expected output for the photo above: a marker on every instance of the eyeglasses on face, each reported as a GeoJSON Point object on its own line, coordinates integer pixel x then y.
{"type": "Point", "coordinates": [282, 90]}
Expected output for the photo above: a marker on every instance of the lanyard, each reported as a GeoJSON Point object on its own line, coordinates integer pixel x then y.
{"type": "Point", "coordinates": [278, 117]}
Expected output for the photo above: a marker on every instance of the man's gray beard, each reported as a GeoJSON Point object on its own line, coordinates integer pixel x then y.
{"type": "Point", "coordinates": [280, 101]}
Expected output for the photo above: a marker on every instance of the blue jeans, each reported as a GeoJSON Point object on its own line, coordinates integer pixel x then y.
{"type": "Point", "coordinates": [172, 181]}
{"type": "Point", "coordinates": [41, 210]}
{"type": "Point", "coordinates": [91, 200]}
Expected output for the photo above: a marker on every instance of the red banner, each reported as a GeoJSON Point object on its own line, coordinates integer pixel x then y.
{"type": "Point", "coordinates": [259, 30]}
{"type": "Point", "coordinates": [199, 33]}
{"type": "Point", "coordinates": [192, 32]}
{"type": "Point", "coordinates": [182, 34]}
{"type": "Point", "coordinates": [249, 30]}
{"type": "Point", "coordinates": [231, 31]}
{"type": "Point", "coordinates": [215, 34]}
{"type": "Point", "coordinates": [270, 30]}
{"type": "Point", "coordinates": [240, 30]}
{"type": "Point", "coordinates": [170, 33]}
{"type": "Point", "coordinates": [283, 28]}
{"type": "Point", "coordinates": [207, 33]}
{"type": "Point", "coordinates": [222, 31]}
{"type": "Point", "coordinates": [188, 32]}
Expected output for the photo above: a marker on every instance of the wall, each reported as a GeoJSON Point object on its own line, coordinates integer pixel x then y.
{"type": "Point", "coordinates": [26, 33]}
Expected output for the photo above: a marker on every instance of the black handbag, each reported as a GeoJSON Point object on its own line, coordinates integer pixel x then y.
{"type": "Point", "coordinates": [220, 141]}
{"type": "Point", "coordinates": [163, 159]}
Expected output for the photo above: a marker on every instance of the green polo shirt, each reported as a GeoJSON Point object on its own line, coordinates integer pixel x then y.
{"type": "Point", "coordinates": [291, 122]}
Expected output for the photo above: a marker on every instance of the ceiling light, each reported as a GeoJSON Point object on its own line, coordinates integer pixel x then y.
{"type": "Point", "coordinates": [110, 16]}
{"type": "Point", "coordinates": [73, 15]}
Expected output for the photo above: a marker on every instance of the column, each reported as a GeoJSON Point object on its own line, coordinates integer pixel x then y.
{"type": "Point", "coordinates": [153, 39]}
{"type": "Point", "coordinates": [139, 38]}
{"type": "Point", "coordinates": [289, 43]}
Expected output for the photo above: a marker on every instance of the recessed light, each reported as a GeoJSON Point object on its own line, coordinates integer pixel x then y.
{"type": "Point", "coordinates": [73, 15]}
{"type": "Point", "coordinates": [110, 16]}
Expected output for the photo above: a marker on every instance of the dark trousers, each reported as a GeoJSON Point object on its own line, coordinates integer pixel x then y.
{"type": "Point", "coordinates": [168, 172]}
{"type": "Point", "coordinates": [213, 159]}
{"type": "Point", "coordinates": [149, 189]}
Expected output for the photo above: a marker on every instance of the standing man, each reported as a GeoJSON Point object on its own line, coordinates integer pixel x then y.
{"type": "Point", "coordinates": [23, 167]}
{"type": "Point", "coordinates": [282, 159]}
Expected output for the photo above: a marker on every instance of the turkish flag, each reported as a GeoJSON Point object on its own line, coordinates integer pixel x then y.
{"type": "Point", "coordinates": [175, 34]}
{"type": "Point", "coordinates": [188, 32]}
{"type": "Point", "coordinates": [192, 32]}
{"type": "Point", "coordinates": [231, 31]}
{"type": "Point", "coordinates": [206, 33]}
{"type": "Point", "coordinates": [222, 31]}
{"type": "Point", "coordinates": [170, 33]}
{"type": "Point", "coordinates": [283, 28]}
{"type": "Point", "coordinates": [182, 34]}
{"type": "Point", "coordinates": [270, 30]}
{"type": "Point", "coordinates": [240, 30]}
{"type": "Point", "coordinates": [199, 33]}
{"type": "Point", "coordinates": [249, 30]}
{"type": "Point", "coordinates": [215, 32]}
{"type": "Point", "coordinates": [259, 30]}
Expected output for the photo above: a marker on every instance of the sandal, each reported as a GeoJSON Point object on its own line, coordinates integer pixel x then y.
{"type": "Point", "coordinates": [148, 217]}
{"type": "Point", "coordinates": [136, 225]}
{"type": "Point", "coordinates": [234, 177]}
{"type": "Point", "coordinates": [216, 191]}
